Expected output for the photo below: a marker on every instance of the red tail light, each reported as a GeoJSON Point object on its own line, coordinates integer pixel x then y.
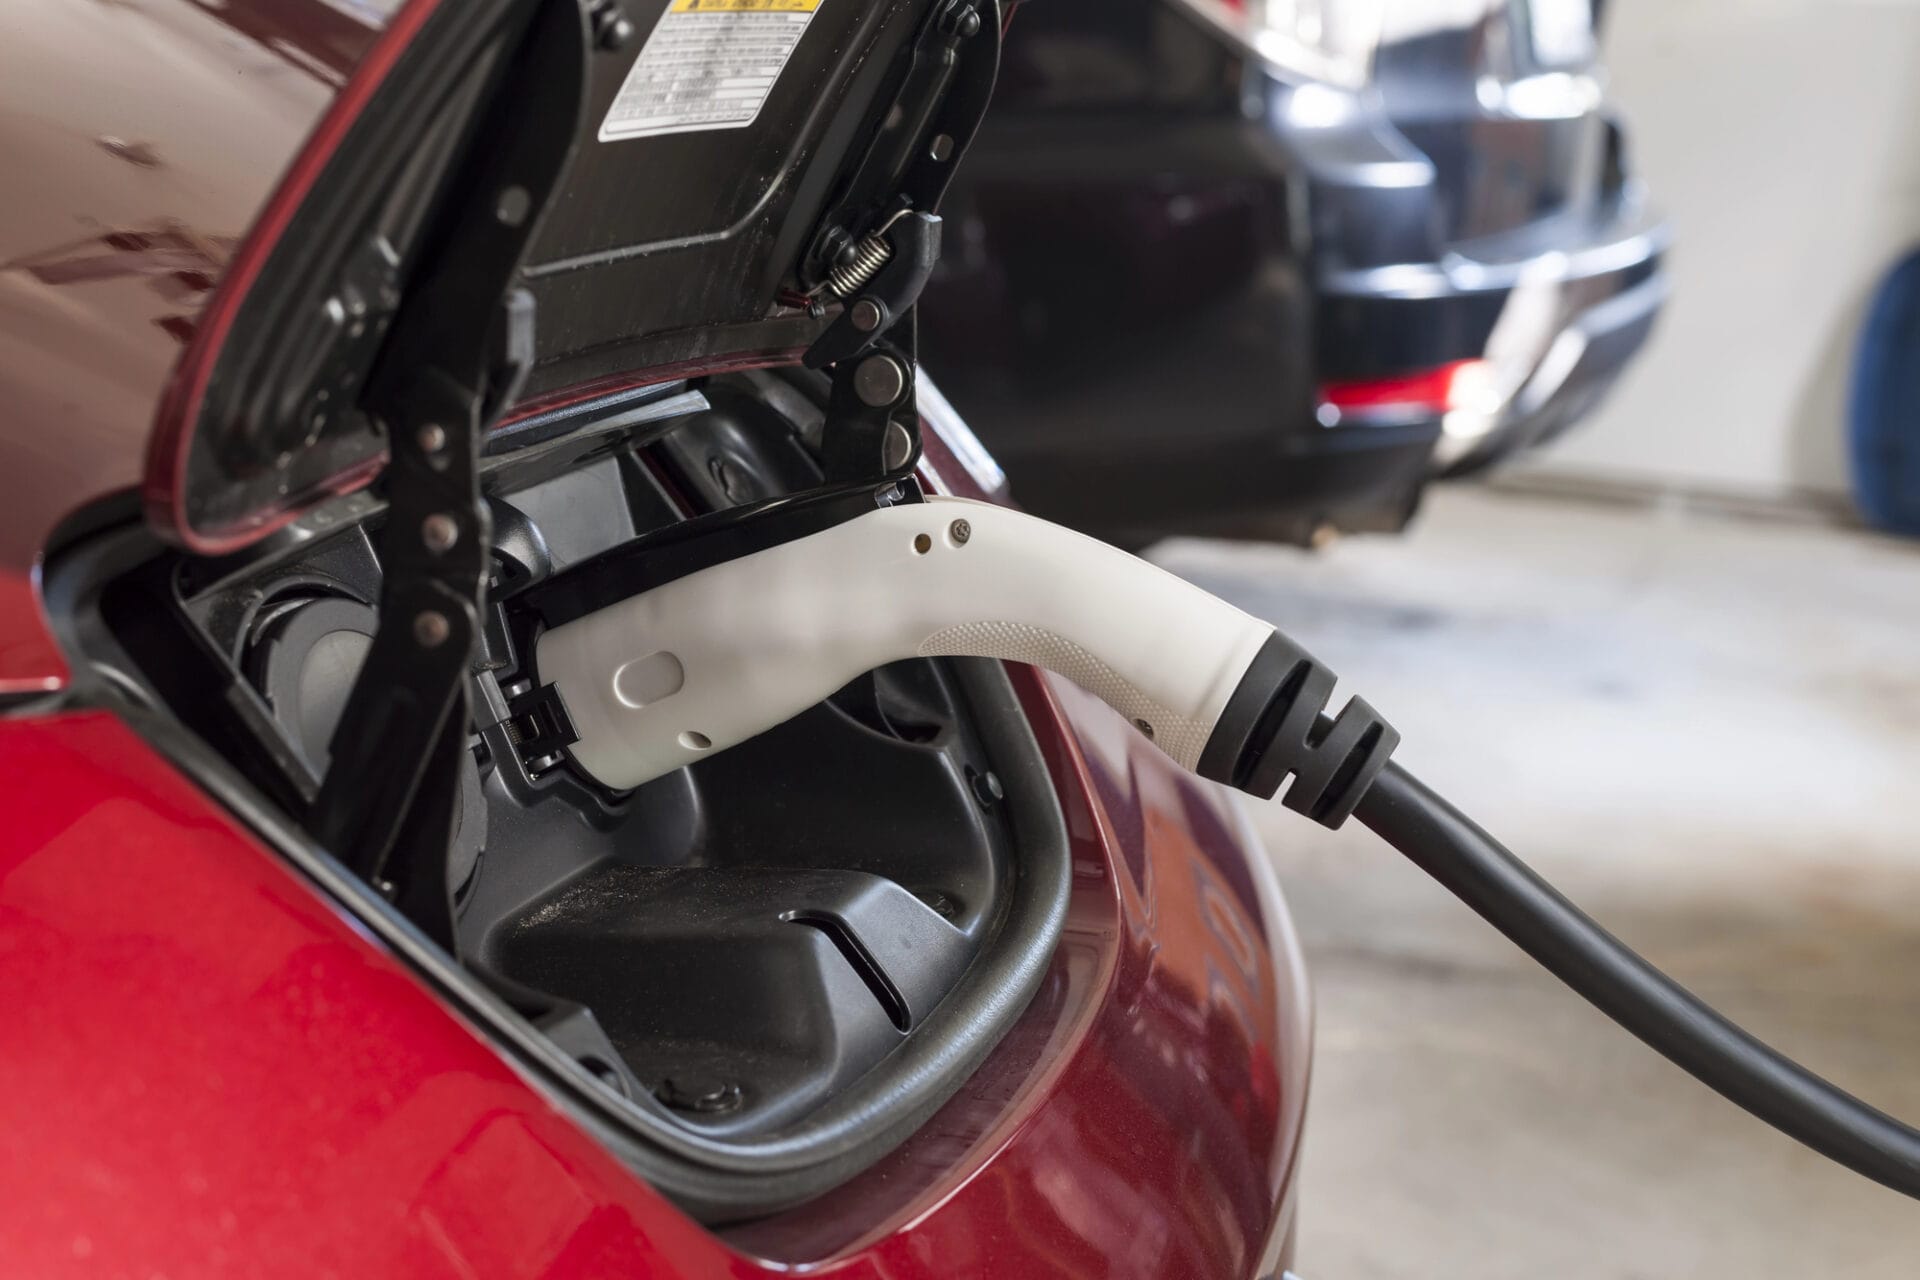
{"type": "Point", "coordinates": [1461, 384]}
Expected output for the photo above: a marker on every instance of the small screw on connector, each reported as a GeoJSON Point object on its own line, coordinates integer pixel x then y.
{"type": "Point", "coordinates": [432, 438]}
{"type": "Point", "coordinates": [960, 532]}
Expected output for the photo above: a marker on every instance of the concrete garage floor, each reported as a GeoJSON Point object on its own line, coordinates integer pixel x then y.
{"type": "Point", "coordinates": [1706, 731]}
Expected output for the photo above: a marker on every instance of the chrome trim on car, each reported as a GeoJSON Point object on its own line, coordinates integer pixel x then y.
{"type": "Point", "coordinates": [1456, 273]}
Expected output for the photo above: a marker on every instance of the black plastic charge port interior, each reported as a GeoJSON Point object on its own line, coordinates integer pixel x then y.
{"type": "Point", "coordinates": [768, 988]}
{"type": "Point", "coordinates": [769, 924]}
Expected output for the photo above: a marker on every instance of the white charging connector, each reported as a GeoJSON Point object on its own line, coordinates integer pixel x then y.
{"type": "Point", "coordinates": [671, 675]}
{"type": "Point", "coordinates": [705, 662]}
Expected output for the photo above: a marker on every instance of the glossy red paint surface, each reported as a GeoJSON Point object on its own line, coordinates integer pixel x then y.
{"type": "Point", "coordinates": [139, 140]}
{"type": "Point", "coordinates": [207, 1072]}
{"type": "Point", "coordinates": [211, 1073]}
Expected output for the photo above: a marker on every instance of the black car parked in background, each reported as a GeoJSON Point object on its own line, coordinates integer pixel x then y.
{"type": "Point", "coordinates": [1264, 267]}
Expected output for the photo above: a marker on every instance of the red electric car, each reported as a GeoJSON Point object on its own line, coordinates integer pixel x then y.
{"type": "Point", "coordinates": [345, 346]}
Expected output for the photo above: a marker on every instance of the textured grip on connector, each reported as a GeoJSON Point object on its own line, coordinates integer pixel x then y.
{"type": "Point", "coordinates": [1273, 728]}
{"type": "Point", "coordinates": [1182, 737]}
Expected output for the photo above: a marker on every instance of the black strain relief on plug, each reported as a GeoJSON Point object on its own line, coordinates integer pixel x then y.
{"type": "Point", "coordinates": [1274, 728]}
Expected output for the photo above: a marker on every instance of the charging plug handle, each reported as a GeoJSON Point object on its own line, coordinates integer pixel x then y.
{"type": "Point", "coordinates": [695, 665]}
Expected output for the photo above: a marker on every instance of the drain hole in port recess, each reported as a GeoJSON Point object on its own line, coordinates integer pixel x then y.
{"type": "Point", "coordinates": [922, 544]}
{"type": "Point", "coordinates": [861, 961]}
{"type": "Point", "coordinates": [694, 741]}
{"type": "Point", "coordinates": [701, 1097]}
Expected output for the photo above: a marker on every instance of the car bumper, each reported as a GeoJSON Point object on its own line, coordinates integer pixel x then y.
{"type": "Point", "coordinates": [1551, 314]}
{"type": "Point", "coordinates": [1581, 365]}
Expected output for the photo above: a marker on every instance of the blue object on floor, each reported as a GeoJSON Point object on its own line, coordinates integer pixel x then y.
{"type": "Point", "coordinates": [1883, 411]}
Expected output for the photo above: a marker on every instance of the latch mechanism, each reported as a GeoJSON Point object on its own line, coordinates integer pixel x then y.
{"type": "Point", "coordinates": [878, 245]}
{"type": "Point", "coordinates": [879, 282]}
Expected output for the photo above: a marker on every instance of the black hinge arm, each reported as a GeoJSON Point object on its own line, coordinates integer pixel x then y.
{"type": "Point", "coordinates": [395, 774]}
{"type": "Point", "coordinates": [460, 341]}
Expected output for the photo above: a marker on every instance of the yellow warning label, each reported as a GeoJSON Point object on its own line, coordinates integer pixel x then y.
{"type": "Point", "coordinates": [709, 64]}
{"type": "Point", "coordinates": [745, 6]}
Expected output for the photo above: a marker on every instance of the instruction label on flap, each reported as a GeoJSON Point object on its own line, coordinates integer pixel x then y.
{"type": "Point", "coordinates": [709, 64]}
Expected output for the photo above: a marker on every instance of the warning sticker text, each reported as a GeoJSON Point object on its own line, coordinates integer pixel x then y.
{"type": "Point", "coordinates": [709, 64]}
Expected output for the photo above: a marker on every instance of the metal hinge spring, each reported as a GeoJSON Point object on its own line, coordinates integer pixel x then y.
{"type": "Point", "coordinates": [863, 263]}
{"type": "Point", "coordinates": [852, 276]}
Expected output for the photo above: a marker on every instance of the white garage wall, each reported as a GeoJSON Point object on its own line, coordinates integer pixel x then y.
{"type": "Point", "coordinates": [1783, 138]}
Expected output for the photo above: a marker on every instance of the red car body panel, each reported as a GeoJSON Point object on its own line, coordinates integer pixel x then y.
{"type": "Point", "coordinates": [211, 1070]}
